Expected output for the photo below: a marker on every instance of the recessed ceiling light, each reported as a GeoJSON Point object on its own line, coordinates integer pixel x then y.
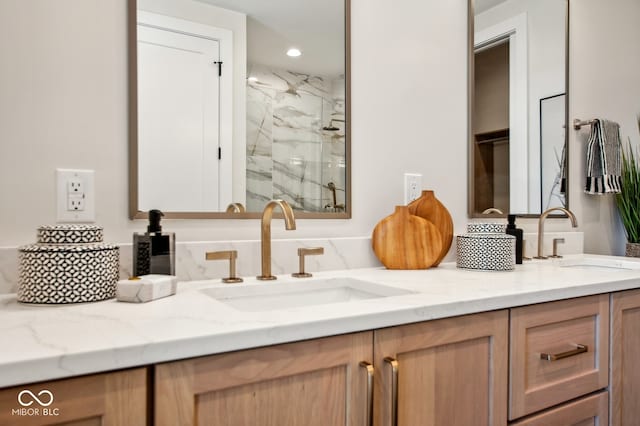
{"type": "Point", "coordinates": [253, 79]}
{"type": "Point", "coordinates": [293, 52]}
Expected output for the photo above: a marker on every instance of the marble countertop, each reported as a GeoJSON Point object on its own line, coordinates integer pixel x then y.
{"type": "Point", "coordinates": [50, 342]}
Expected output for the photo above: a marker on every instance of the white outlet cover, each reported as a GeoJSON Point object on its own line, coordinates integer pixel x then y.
{"type": "Point", "coordinates": [412, 187]}
{"type": "Point", "coordinates": [64, 178]}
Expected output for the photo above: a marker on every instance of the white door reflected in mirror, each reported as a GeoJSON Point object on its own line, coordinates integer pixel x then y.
{"type": "Point", "coordinates": [177, 122]}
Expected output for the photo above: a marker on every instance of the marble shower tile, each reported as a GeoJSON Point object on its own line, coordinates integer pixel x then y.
{"type": "Point", "coordinates": [305, 157]}
{"type": "Point", "coordinates": [259, 122]}
{"type": "Point", "coordinates": [259, 182]}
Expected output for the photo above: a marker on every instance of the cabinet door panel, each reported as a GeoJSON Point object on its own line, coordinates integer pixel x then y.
{"type": "Point", "coordinates": [317, 382]}
{"type": "Point", "coordinates": [316, 398]}
{"type": "Point", "coordinates": [107, 399]}
{"type": "Point", "coordinates": [625, 347]}
{"type": "Point", "coordinates": [588, 411]}
{"type": "Point", "coordinates": [450, 372]}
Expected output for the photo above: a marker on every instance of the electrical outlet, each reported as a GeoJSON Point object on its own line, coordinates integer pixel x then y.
{"type": "Point", "coordinates": [412, 186]}
{"type": "Point", "coordinates": [75, 202]}
{"type": "Point", "coordinates": [75, 186]}
{"type": "Point", "coordinates": [75, 195]}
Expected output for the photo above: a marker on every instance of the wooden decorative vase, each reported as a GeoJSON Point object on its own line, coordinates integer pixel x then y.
{"type": "Point", "coordinates": [405, 241]}
{"type": "Point", "coordinates": [430, 208]}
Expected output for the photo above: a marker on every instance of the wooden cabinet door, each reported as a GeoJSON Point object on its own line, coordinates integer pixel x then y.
{"type": "Point", "coordinates": [590, 410]}
{"type": "Point", "coordinates": [625, 350]}
{"type": "Point", "coordinates": [108, 399]}
{"type": "Point", "coordinates": [313, 383]}
{"type": "Point", "coordinates": [450, 372]}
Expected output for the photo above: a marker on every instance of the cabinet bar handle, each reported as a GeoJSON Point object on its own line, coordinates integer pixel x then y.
{"type": "Point", "coordinates": [394, 389]}
{"type": "Point", "coordinates": [369, 367]}
{"type": "Point", "coordinates": [580, 349]}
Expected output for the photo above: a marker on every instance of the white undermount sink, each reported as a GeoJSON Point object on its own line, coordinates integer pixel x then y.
{"type": "Point", "coordinates": [271, 295]}
{"type": "Point", "coordinates": [601, 262]}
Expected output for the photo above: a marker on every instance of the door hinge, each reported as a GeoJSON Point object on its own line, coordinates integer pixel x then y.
{"type": "Point", "coordinates": [219, 153]}
{"type": "Point", "coordinates": [219, 64]}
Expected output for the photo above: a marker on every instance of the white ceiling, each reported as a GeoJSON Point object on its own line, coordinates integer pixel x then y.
{"type": "Point", "coordinates": [316, 27]}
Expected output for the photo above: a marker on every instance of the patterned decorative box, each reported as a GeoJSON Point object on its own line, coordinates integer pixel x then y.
{"type": "Point", "coordinates": [487, 249]}
{"type": "Point", "coordinates": [70, 234]}
{"type": "Point", "coordinates": [486, 228]}
{"type": "Point", "coordinates": [70, 264]}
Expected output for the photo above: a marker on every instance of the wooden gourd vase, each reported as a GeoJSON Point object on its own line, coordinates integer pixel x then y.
{"type": "Point", "coordinates": [405, 241]}
{"type": "Point", "coordinates": [427, 206]}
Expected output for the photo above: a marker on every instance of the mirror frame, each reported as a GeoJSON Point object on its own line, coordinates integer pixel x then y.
{"type": "Point", "coordinates": [132, 57]}
{"type": "Point", "coordinates": [470, 109]}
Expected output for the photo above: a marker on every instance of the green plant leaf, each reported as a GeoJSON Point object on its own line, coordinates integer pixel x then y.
{"type": "Point", "coordinates": [628, 201]}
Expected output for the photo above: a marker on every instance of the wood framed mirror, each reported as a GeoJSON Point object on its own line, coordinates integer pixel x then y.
{"type": "Point", "coordinates": [222, 119]}
{"type": "Point", "coordinates": [518, 92]}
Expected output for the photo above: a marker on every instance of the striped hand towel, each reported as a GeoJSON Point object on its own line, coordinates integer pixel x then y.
{"type": "Point", "coordinates": [604, 165]}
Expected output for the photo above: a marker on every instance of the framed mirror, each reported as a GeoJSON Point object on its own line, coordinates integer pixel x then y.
{"type": "Point", "coordinates": [518, 106]}
{"type": "Point", "coordinates": [237, 102]}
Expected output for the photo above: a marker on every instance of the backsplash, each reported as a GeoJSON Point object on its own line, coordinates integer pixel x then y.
{"type": "Point", "coordinates": [573, 243]}
{"type": "Point", "coordinates": [8, 270]}
{"type": "Point", "coordinates": [339, 253]}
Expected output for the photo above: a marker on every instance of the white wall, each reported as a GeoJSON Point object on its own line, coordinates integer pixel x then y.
{"type": "Point", "coordinates": [63, 103]}
{"type": "Point", "coordinates": [603, 82]}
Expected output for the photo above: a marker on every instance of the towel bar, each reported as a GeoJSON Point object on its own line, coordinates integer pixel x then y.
{"type": "Point", "coordinates": [577, 123]}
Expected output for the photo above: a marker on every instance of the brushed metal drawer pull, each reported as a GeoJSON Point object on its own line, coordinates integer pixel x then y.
{"type": "Point", "coordinates": [580, 349]}
{"type": "Point", "coordinates": [369, 367]}
{"type": "Point", "coordinates": [394, 389]}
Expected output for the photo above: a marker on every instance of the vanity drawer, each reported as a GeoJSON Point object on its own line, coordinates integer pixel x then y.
{"type": "Point", "coordinates": [574, 336]}
{"type": "Point", "coordinates": [591, 410]}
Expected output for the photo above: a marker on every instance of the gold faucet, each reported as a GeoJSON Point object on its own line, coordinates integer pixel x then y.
{"type": "Point", "coordinates": [265, 244]}
{"type": "Point", "coordinates": [492, 210]}
{"type": "Point", "coordinates": [236, 208]}
{"type": "Point", "coordinates": [543, 216]}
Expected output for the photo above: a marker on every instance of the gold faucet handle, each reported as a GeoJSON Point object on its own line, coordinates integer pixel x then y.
{"type": "Point", "coordinates": [231, 255]}
{"type": "Point", "coordinates": [302, 252]}
{"type": "Point", "coordinates": [555, 247]}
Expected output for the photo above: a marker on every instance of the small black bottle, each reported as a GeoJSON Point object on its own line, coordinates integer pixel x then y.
{"type": "Point", "coordinates": [154, 251]}
{"type": "Point", "coordinates": [516, 232]}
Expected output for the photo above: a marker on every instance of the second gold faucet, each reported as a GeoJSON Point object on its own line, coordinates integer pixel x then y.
{"type": "Point", "coordinates": [265, 237]}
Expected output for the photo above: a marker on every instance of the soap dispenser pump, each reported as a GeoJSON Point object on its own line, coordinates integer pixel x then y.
{"type": "Point", "coordinates": [154, 251]}
{"type": "Point", "coordinates": [516, 232]}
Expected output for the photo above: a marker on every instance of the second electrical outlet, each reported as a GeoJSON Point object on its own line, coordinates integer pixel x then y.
{"type": "Point", "coordinates": [412, 186]}
{"type": "Point", "coordinates": [75, 195]}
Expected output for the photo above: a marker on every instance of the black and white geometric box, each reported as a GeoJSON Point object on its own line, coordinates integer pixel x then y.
{"type": "Point", "coordinates": [486, 247]}
{"type": "Point", "coordinates": [69, 264]}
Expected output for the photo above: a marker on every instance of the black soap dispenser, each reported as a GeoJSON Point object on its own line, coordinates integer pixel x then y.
{"type": "Point", "coordinates": [154, 251]}
{"type": "Point", "coordinates": [516, 232]}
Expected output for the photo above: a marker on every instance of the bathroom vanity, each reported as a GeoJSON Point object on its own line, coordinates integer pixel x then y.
{"type": "Point", "coordinates": [544, 344]}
